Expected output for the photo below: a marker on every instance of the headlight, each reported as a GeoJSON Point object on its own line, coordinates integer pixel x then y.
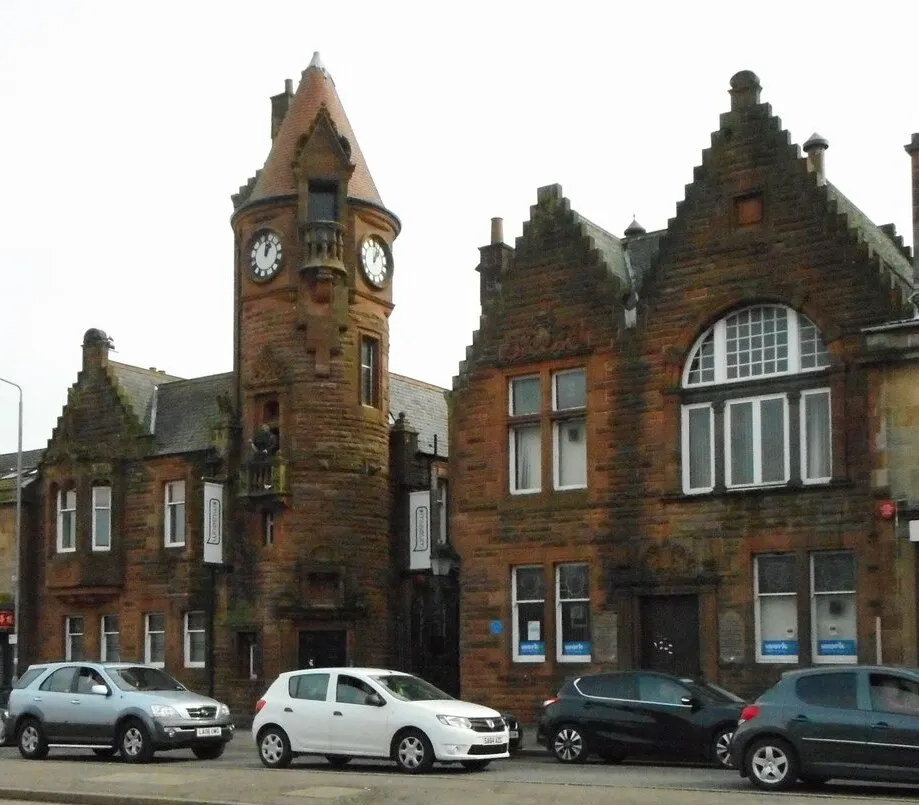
{"type": "Point", "coordinates": [163, 711]}
{"type": "Point", "coordinates": [223, 710]}
{"type": "Point", "coordinates": [455, 721]}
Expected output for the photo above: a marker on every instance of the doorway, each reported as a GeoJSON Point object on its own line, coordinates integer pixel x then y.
{"type": "Point", "coordinates": [670, 634]}
{"type": "Point", "coordinates": [322, 648]}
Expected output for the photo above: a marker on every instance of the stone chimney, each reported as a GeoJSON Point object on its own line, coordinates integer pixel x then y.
{"type": "Point", "coordinates": [745, 90]}
{"type": "Point", "coordinates": [96, 345]}
{"type": "Point", "coordinates": [279, 106]}
{"type": "Point", "coordinates": [912, 148]}
{"type": "Point", "coordinates": [493, 262]}
{"type": "Point", "coordinates": [815, 148]}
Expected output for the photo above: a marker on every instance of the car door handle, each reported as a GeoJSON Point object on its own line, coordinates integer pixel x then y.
{"type": "Point", "coordinates": [800, 718]}
{"type": "Point", "coordinates": [881, 724]}
{"type": "Point", "coordinates": [288, 709]}
{"type": "Point", "coordinates": [74, 701]}
{"type": "Point", "coordinates": [36, 698]}
{"type": "Point", "coordinates": [337, 713]}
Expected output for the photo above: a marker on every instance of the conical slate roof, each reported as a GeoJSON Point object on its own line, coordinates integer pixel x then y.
{"type": "Point", "coordinates": [315, 90]}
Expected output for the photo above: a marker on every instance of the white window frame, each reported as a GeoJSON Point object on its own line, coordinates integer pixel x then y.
{"type": "Point", "coordinates": [802, 430]}
{"type": "Point", "coordinates": [770, 659]}
{"type": "Point", "coordinates": [104, 631]}
{"type": "Point", "coordinates": [757, 442]}
{"type": "Point", "coordinates": [370, 368]}
{"type": "Point", "coordinates": [512, 437]}
{"type": "Point", "coordinates": [578, 414]}
{"type": "Point", "coordinates": [560, 656]}
{"type": "Point", "coordinates": [70, 633]}
{"type": "Point", "coordinates": [97, 514]}
{"type": "Point", "coordinates": [168, 536]}
{"type": "Point", "coordinates": [841, 659]}
{"type": "Point", "coordinates": [62, 509]}
{"type": "Point", "coordinates": [148, 647]}
{"type": "Point", "coordinates": [188, 632]}
{"type": "Point", "coordinates": [687, 455]}
{"type": "Point", "coordinates": [515, 620]}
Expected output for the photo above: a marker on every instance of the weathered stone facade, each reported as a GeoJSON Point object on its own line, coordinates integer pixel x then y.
{"type": "Point", "coordinates": [669, 580]}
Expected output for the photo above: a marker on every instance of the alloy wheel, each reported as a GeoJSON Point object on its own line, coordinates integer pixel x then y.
{"type": "Point", "coordinates": [723, 747]}
{"type": "Point", "coordinates": [132, 742]}
{"type": "Point", "coordinates": [568, 745]}
{"type": "Point", "coordinates": [29, 739]}
{"type": "Point", "coordinates": [770, 765]}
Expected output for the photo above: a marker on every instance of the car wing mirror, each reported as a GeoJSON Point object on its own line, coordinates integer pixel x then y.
{"type": "Point", "coordinates": [375, 700]}
{"type": "Point", "coordinates": [690, 701]}
{"type": "Point", "coordinates": [99, 690]}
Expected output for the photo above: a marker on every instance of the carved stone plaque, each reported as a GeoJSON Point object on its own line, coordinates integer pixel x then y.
{"type": "Point", "coordinates": [606, 636]}
{"type": "Point", "coordinates": [731, 644]}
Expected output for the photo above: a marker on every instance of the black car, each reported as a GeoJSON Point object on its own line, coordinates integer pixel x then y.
{"type": "Point", "coordinates": [513, 728]}
{"type": "Point", "coordinates": [624, 713]}
{"type": "Point", "coordinates": [848, 722]}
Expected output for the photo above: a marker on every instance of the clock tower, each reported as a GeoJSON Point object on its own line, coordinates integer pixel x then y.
{"type": "Point", "coordinates": [310, 525]}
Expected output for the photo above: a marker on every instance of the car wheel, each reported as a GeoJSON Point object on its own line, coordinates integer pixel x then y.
{"type": "Point", "coordinates": [771, 764]}
{"type": "Point", "coordinates": [569, 745]}
{"type": "Point", "coordinates": [413, 752]}
{"type": "Point", "coordinates": [31, 740]}
{"type": "Point", "coordinates": [208, 751]}
{"type": "Point", "coordinates": [274, 748]}
{"type": "Point", "coordinates": [338, 761]}
{"type": "Point", "coordinates": [135, 743]}
{"type": "Point", "coordinates": [104, 751]}
{"type": "Point", "coordinates": [721, 747]}
{"type": "Point", "coordinates": [475, 765]}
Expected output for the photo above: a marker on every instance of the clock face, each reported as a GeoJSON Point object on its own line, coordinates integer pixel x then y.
{"type": "Point", "coordinates": [265, 255]}
{"type": "Point", "coordinates": [375, 261]}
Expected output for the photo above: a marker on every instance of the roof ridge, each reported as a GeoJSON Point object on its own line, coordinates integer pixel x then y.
{"type": "Point", "coordinates": [418, 382]}
{"type": "Point", "coordinates": [200, 378]}
{"type": "Point", "coordinates": [152, 373]}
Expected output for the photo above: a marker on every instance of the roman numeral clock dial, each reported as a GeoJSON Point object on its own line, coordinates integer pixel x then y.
{"type": "Point", "coordinates": [376, 260]}
{"type": "Point", "coordinates": [265, 256]}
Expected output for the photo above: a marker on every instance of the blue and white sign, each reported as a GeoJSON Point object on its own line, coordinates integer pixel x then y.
{"type": "Point", "coordinates": [532, 648]}
{"type": "Point", "coordinates": [496, 627]}
{"type": "Point", "coordinates": [836, 648]}
{"type": "Point", "coordinates": [576, 648]}
{"type": "Point", "coordinates": [780, 648]}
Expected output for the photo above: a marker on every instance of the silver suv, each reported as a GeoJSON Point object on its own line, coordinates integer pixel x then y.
{"type": "Point", "coordinates": [129, 708]}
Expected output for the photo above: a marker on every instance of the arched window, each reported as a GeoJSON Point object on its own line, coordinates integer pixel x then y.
{"type": "Point", "coordinates": [756, 407]}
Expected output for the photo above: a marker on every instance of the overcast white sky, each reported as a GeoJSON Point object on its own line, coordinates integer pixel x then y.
{"type": "Point", "coordinates": [126, 126]}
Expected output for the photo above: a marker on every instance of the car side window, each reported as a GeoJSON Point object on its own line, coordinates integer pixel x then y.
{"type": "Point", "coordinates": [660, 690]}
{"type": "Point", "coordinates": [828, 690]}
{"type": "Point", "coordinates": [308, 686]}
{"type": "Point", "coordinates": [61, 681]}
{"type": "Point", "coordinates": [351, 690]}
{"type": "Point", "coordinates": [87, 678]}
{"type": "Point", "coordinates": [894, 694]}
{"type": "Point", "coordinates": [608, 686]}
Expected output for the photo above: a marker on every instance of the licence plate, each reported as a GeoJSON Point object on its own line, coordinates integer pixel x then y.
{"type": "Point", "coordinates": [515, 734]}
{"type": "Point", "coordinates": [492, 739]}
{"type": "Point", "coordinates": [209, 732]}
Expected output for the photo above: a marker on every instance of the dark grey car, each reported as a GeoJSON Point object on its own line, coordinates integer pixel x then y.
{"type": "Point", "coordinates": [130, 708]}
{"type": "Point", "coordinates": [846, 722]}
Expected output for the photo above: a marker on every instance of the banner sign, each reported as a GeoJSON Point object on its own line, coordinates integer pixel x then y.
{"type": "Point", "coordinates": [213, 524]}
{"type": "Point", "coordinates": [419, 530]}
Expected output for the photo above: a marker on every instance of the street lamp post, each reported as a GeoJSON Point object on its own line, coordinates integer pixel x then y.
{"type": "Point", "coordinates": [16, 559]}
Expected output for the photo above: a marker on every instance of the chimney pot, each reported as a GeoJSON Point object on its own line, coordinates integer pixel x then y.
{"type": "Point", "coordinates": [96, 345]}
{"type": "Point", "coordinates": [815, 148]}
{"type": "Point", "coordinates": [497, 230]}
{"type": "Point", "coordinates": [288, 86]}
{"type": "Point", "coordinates": [745, 90]}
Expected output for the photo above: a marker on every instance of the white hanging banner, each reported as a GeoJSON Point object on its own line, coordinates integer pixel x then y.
{"type": "Point", "coordinates": [419, 530]}
{"type": "Point", "coordinates": [914, 530]}
{"type": "Point", "coordinates": [213, 524]}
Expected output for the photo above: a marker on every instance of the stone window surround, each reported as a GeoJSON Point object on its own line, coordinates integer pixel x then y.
{"type": "Point", "coordinates": [96, 508]}
{"type": "Point", "coordinates": [168, 505]}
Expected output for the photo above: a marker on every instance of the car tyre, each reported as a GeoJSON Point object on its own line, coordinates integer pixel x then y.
{"type": "Point", "coordinates": [134, 742]}
{"type": "Point", "coordinates": [274, 748]}
{"type": "Point", "coordinates": [31, 740]}
{"type": "Point", "coordinates": [338, 761]}
{"type": "Point", "coordinates": [413, 752]}
{"type": "Point", "coordinates": [721, 747]}
{"type": "Point", "coordinates": [104, 751]}
{"type": "Point", "coordinates": [208, 751]}
{"type": "Point", "coordinates": [569, 745]}
{"type": "Point", "coordinates": [475, 765]}
{"type": "Point", "coordinates": [771, 764]}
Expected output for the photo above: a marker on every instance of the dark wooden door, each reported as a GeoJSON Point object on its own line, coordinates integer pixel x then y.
{"type": "Point", "coordinates": [323, 648]}
{"type": "Point", "coordinates": [670, 634]}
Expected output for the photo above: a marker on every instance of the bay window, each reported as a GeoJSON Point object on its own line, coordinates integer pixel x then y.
{"type": "Point", "coordinates": [66, 520]}
{"type": "Point", "coordinates": [102, 518]}
{"type": "Point", "coordinates": [195, 639]}
{"type": "Point", "coordinates": [155, 639]}
{"type": "Point", "coordinates": [73, 638]}
{"type": "Point", "coordinates": [528, 594]}
{"type": "Point", "coordinates": [110, 644]}
{"type": "Point", "coordinates": [174, 519]}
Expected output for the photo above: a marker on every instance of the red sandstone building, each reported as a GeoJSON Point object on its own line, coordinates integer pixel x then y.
{"type": "Point", "coordinates": [281, 515]}
{"type": "Point", "coordinates": [664, 446]}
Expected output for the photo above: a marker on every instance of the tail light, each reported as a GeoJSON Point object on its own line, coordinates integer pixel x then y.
{"type": "Point", "coordinates": [750, 711]}
{"type": "Point", "coordinates": [547, 702]}
{"type": "Point", "coordinates": [259, 705]}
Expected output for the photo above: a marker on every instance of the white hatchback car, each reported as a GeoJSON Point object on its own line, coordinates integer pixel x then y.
{"type": "Point", "coordinates": [342, 713]}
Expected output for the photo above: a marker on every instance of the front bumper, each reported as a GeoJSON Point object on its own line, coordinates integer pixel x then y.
{"type": "Point", "coordinates": [469, 745]}
{"type": "Point", "coordinates": [177, 733]}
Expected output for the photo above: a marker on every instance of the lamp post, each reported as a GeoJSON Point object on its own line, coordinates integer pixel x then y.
{"type": "Point", "coordinates": [16, 560]}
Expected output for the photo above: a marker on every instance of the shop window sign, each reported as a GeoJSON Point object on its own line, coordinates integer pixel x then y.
{"type": "Point", "coordinates": [836, 648]}
{"type": "Point", "coordinates": [532, 647]}
{"type": "Point", "coordinates": [780, 648]}
{"type": "Point", "coordinates": [577, 648]}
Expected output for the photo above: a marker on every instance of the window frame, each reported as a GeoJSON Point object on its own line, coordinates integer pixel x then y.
{"type": "Point", "coordinates": [187, 633]}
{"type": "Point", "coordinates": [831, 659]}
{"type": "Point", "coordinates": [62, 510]}
{"type": "Point", "coordinates": [373, 368]}
{"type": "Point", "coordinates": [803, 433]}
{"type": "Point", "coordinates": [770, 659]}
{"type": "Point", "coordinates": [104, 633]}
{"type": "Point", "coordinates": [560, 656]}
{"type": "Point", "coordinates": [148, 643]}
{"type": "Point", "coordinates": [516, 640]}
{"type": "Point", "coordinates": [757, 401]}
{"type": "Point", "coordinates": [269, 523]}
{"type": "Point", "coordinates": [567, 416]}
{"type": "Point", "coordinates": [96, 509]}
{"type": "Point", "coordinates": [687, 448]}
{"type": "Point", "coordinates": [524, 421]}
{"type": "Point", "coordinates": [70, 633]}
{"type": "Point", "coordinates": [168, 505]}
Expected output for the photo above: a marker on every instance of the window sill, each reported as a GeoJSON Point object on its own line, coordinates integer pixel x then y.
{"type": "Point", "coordinates": [748, 491]}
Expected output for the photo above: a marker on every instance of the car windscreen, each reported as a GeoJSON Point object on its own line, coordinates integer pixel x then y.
{"type": "Point", "coordinates": [28, 676]}
{"type": "Point", "coordinates": [410, 688]}
{"type": "Point", "coordinates": [139, 677]}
